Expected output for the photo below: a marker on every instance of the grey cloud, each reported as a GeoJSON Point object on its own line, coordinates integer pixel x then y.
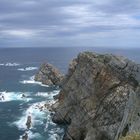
{"type": "Point", "coordinates": [120, 7]}
{"type": "Point", "coordinates": [66, 19]}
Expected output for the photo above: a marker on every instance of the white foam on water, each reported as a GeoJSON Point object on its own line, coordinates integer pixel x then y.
{"type": "Point", "coordinates": [54, 134]}
{"type": "Point", "coordinates": [27, 69]}
{"type": "Point", "coordinates": [31, 135]}
{"type": "Point", "coordinates": [49, 122]}
{"type": "Point", "coordinates": [54, 137]}
{"type": "Point", "coordinates": [43, 85]}
{"type": "Point", "coordinates": [39, 112]}
{"type": "Point", "coordinates": [12, 96]}
{"type": "Point", "coordinates": [32, 81]}
{"type": "Point", "coordinates": [42, 94]}
{"type": "Point", "coordinates": [52, 94]}
{"type": "Point", "coordinates": [49, 95]}
{"type": "Point", "coordinates": [8, 64]}
{"type": "Point", "coordinates": [55, 92]}
{"type": "Point", "coordinates": [11, 64]}
{"type": "Point", "coordinates": [36, 111]}
{"type": "Point", "coordinates": [34, 135]}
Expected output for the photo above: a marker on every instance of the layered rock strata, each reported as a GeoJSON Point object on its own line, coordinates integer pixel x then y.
{"type": "Point", "coordinates": [100, 98]}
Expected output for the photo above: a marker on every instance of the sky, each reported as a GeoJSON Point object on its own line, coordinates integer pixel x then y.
{"type": "Point", "coordinates": [66, 23]}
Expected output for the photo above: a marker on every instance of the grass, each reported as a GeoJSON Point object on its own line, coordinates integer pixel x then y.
{"type": "Point", "coordinates": [134, 136]}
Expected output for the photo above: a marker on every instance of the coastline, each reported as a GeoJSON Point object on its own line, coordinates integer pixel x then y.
{"type": "Point", "coordinates": [80, 100]}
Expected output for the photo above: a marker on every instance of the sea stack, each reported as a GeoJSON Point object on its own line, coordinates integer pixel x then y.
{"type": "Point", "coordinates": [100, 98]}
{"type": "Point", "coordinates": [29, 122]}
{"type": "Point", "coordinates": [49, 75]}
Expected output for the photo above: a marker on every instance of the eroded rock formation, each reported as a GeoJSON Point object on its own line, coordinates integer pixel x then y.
{"type": "Point", "coordinates": [100, 98]}
{"type": "Point", "coordinates": [49, 75]}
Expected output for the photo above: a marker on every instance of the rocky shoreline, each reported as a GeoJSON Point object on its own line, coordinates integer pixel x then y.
{"type": "Point", "coordinates": [42, 107]}
{"type": "Point", "coordinates": [99, 99]}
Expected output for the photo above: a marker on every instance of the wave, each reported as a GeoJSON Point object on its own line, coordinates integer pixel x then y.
{"type": "Point", "coordinates": [36, 113]}
{"type": "Point", "coordinates": [12, 96]}
{"type": "Point", "coordinates": [27, 69]}
{"type": "Point", "coordinates": [9, 64]}
{"type": "Point", "coordinates": [48, 95]}
{"type": "Point", "coordinates": [32, 81]}
{"type": "Point", "coordinates": [40, 116]}
{"type": "Point", "coordinates": [39, 113]}
{"type": "Point", "coordinates": [32, 135]}
{"type": "Point", "coordinates": [53, 134]}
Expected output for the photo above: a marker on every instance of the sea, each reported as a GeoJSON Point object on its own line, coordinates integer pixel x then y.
{"type": "Point", "coordinates": [18, 67]}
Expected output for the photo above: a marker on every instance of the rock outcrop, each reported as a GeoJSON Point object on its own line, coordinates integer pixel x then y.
{"type": "Point", "coordinates": [29, 122]}
{"type": "Point", "coordinates": [49, 75]}
{"type": "Point", "coordinates": [25, 136]}
{"type": "Point", "coordinates": [100, 98]}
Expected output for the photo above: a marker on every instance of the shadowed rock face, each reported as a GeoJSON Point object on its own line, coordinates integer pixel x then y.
{"type": "Point", "coordinates": [100, 98]}
{"type": "Point", "coordinates": [49, 75]}
{"type": "Point", "coordinates": [29, 122]}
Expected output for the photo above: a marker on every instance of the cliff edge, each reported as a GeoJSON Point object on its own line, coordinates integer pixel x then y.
{"type": "Point", "coordinates": [100, 98]}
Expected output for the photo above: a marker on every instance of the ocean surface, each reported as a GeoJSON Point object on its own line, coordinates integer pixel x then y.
{"type": "Point", "coordinates": [17, 70]}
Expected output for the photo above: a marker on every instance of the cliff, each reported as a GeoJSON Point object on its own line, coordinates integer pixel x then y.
{"type": "Point", "coordinates": [49, 75]}
{"type": "Point", "coordinates": [100, 98]}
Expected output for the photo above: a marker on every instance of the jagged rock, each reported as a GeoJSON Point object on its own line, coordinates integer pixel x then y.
{"type": "Point", "coordinates": [29, 122]}
{"type": "Point", "coordinates": [25, 136]}
{"type": "Point", "coordinates": [49, 75]}
{"type": "Point", "coordinates": [2, 98]}
{"type": "Point", "coordinates": [100, 98]}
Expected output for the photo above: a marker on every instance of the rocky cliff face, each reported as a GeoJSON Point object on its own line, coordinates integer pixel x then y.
{"type": "Point", "coordinates": [100, 98]}
{"type": "Point", "coordinates": [49, 75]}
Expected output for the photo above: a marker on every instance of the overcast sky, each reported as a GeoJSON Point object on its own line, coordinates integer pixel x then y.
{"type": "Point", "coordinates": [52, 23]}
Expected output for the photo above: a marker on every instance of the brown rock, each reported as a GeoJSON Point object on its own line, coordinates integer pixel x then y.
{"type": "Point", "coordinates": [49, 75]}
{"type": "Point", "coordinates": [100, 94]}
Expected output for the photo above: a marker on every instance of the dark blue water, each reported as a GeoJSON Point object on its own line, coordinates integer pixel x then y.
{"type": "Point", "coordinates": [15, 80]}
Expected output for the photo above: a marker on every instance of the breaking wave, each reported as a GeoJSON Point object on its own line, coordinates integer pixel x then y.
{"type": "Point", "coordinates": [9, 64]}
{"type": "Point", "coordinates": [12, 96]}
{"type": "Point", "coordinates": [32, 81]}
{"type": "Point", "coordinates": [27, 69]}
{"type": "Point", "coordinates": [48, 95]}
{"type": "Point", "coordinates": [38, 113]}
